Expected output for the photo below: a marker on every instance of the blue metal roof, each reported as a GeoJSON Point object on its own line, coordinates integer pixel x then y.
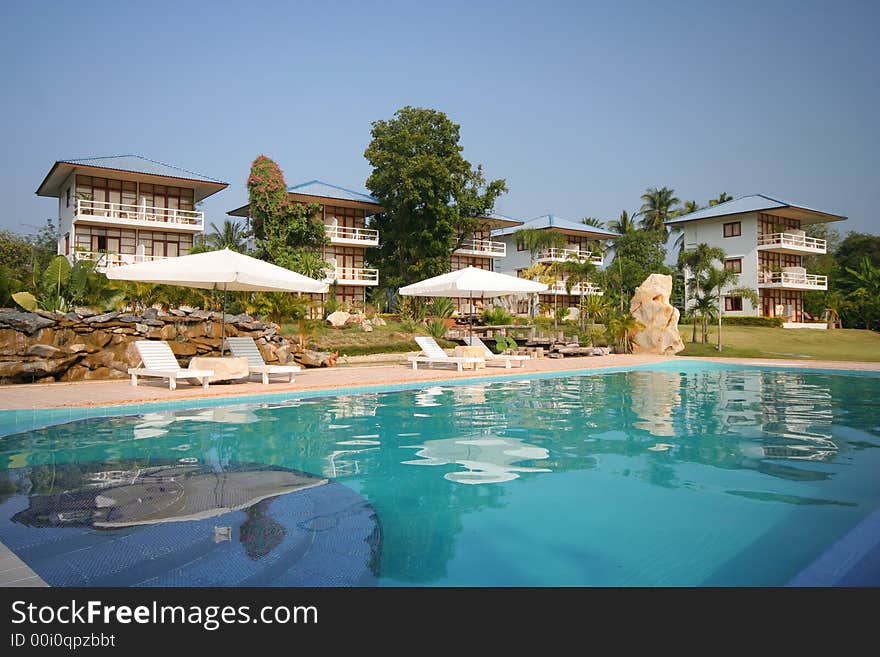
{"type": "Point", "coordinates": [743, 204]}
{"type": "Point", "coordinates": [138, 164]}
{"type": "Point", "coordinates": [552, 221]}
{"type": "Point", "coordinates": [327, 190]}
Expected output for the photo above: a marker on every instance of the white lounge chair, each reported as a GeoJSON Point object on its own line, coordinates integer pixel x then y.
{"type": "Point", "coordinates": [493, 358]}
{"type": "Point", "coordinates": [433, 353]}
{"type": "Point", "coordinates": [158, 361]}
{"type": "Point", "coordinates": [247, 348]}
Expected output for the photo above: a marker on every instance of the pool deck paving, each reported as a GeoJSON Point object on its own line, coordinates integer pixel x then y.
{"type": "Point", "coordinates": [391, 372]}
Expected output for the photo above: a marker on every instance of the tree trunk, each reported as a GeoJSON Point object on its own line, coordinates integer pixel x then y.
{"type": "Point", "coordinates": [694, 334]}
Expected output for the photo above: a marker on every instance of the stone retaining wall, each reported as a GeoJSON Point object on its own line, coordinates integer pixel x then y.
{"type": "Point", "coordinates": [43, 346]}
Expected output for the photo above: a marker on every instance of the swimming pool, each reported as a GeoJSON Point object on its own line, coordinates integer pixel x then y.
{"type": "Point", "coordinates": [681, 475]}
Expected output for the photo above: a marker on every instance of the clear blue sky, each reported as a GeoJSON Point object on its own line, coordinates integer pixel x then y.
{"type": "Point", "coordinates": [579, 107]}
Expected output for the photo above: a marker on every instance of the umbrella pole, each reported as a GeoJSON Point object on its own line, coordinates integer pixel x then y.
{"type": "Point", "coordinates": [223, 324]}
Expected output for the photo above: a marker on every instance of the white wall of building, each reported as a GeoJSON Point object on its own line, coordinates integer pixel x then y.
{"type": "Point", "coordinates": [65, 213]}
{"type": "Point", "coordinates": [514, 259]}
{"type": "Point", "coordinates": [711, 232]}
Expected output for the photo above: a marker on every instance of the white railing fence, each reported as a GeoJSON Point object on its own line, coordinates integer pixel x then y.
{"type": "Point", "coordinates": [128, 211]}
{"type": "Point", "coordinates": [487, 247]}
{"type": "Point", "coordinates": [355, 234]}
{"type": "Point", "coordinates": [359, 274]}
{"type": "Point", "coordinates": [566, 254]}
{"type": "Point", "coordinates": [792, 239]}
{"type": "Point", "coordinates": [788, 278]}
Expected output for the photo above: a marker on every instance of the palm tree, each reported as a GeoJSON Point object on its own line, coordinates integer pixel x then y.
{"type": "Point", "coordinates": [657, 209]}
{"type": "Point", "coordinates": [705, 307]}
{"type": "Point", "coordinates": [623, 224]}
{"type": "Point", "coordinates": [576, 271]}
{"type": "Point", "coordinates": [595, 245]}
{"type": "Point", "coordinates": [597, 307]}
{"type": "Point", "coordinates": [723, 197]}
{"type": "Point", "coordinates": [744, 292]}
{"type": "Point", "coordinates": [696, 262]}
{"type": "Point", "coordinates": [620, 329]}
{"type": "Point", "coordinates": [233, 235]}
{"type": "Point", "coordinates": [687, 208]}
{"type": "Point", "coordinates": [536, 239]}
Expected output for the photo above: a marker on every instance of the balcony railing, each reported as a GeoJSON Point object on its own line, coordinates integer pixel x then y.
{"type": "Point", "coordinates": [357, 236]}
{"type": "Point", "coordinates": [485, 248]}
{"type": "Point", "coordinates": [561, 255]}
{"type": "Point", "coordinates": [793, 280]}
{"type": "Point", "coordinates": [352, 276]}
{"type": "Point", "coordinates": [578, 289]}
{"type": "Point", "coordinates": [105, 260]}
{"type": "Point", "coordinates": [104, 212]}
{"type": "Point", "coordinates": [793, 240]}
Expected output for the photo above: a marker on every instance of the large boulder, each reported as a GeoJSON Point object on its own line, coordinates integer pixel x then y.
{"type": "Point", "coordinates": [338, 319]}
{"type": "Point", "coordinates": [28, 323]}
{"type": "Point", "coordinates": [650, 306]}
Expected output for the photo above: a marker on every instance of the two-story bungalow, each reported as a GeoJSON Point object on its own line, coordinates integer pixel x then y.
{"type": "Point", "coordinates": [126, 208]}
{"type": "Point", "coordinates": [345, 214]}
{"type": "Point", "coordinates": [578, 237]}
{"type": "Point", "coordinates": [765, 243]}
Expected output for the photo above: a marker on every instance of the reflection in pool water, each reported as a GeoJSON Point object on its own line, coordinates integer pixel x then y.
{"type": "Point", "coordinates": [126, 523]}
{"type": "Point", "coordinates": [486, 460]}
{"type": "Point", "coordinates": [680, 475]}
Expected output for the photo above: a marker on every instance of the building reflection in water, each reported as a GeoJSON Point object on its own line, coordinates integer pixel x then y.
{"type": "Point", "coordinates": [654, 399]}
{"type": "Point", "coordinates": [486, 460]}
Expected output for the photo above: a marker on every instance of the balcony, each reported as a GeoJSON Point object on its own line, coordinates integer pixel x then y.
{"type": "Point", "coordinates": [104, 261]}
{"type": "Point", "coordinates": [144, 216]}
{"type": "Point", "coordinates": [577, 290]}
{"type": "Point", "coordinates": [347, 236]}
{"type": "Point", "coordinates": [794, 243]}
{"type": "Point", "coordinates": [483, 248]}
{"type": "Point", "coordinates": [561, 255]}
{"type": "Point", "coordinates": [792, 280]}
{"type": "Point", "coordinates": [352, 276]}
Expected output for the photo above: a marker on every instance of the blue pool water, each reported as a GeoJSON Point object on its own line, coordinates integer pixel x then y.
{"type": "Point", "coordinates": [677, 475]}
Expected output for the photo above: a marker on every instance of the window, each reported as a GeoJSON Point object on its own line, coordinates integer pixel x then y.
{"type": "Point", "coordinates": [734, 265]}
{"type": "Point", "coordinates": [67, 198]}
{"type": "Point", "coordinates": [67, 239]}
{"type": "Point", "coordinates": [733, 303]}
{"type": "Point", "coordinates": [520, 246]}
{"type": "Point", "coordinates": [733, 229]}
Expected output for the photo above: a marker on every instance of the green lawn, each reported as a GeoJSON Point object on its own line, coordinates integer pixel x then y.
{"type": "Point", "coordinates": [351, 341]}
{"type": "Point", "coordinates": [759, 342]}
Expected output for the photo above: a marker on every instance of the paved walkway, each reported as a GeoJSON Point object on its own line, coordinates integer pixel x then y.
{"type": "Point", "coordinates": [105, 393]}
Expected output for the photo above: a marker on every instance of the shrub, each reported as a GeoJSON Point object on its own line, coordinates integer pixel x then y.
{"type": "Point", "coordinates": [442, 307]}
{"type": "Point", "coordinates": [497, 315]}
{"type": "Point", "coordinates": [503, 343]}
{"type": "Point", "coordinates": [769, 322]}
{"type": "Point", "coordinates": [437, 328]}
{"type": "Point", "coordinates": [408, 325]}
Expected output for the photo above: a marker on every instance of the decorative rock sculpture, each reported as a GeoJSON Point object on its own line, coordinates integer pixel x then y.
{"type": "Point", "coordinates": [658, 318]}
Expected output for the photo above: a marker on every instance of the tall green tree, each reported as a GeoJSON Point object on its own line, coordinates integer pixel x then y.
{"type": "Point", "coordinates": [431, 195]}
{"type": "Point", "coordinates": [694, 263]}
{"type": "Point", "coordinates": [657, 207]}
{"type": "Point", "coordinates": [534, 240]}
{"type": "Point", "coordinates": [575, 273]}
{"type": "Point", "coordinates": [623, 224]}
{"type": "Point", "coordinates": [283, 230]}
{"type": "Point", "coordinates": [864, 300]}
{"type": "Point", "coordinates": [723, 197]}
{"type": "Point", "coordinates": [637, 255]}
{"type": "Point", "coordinates": [686, 208]}
{"type": "Point", "coordinates": [232, 235]}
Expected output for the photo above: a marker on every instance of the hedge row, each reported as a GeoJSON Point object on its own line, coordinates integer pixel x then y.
{"type": "Point", "coordinates": [769, 322]}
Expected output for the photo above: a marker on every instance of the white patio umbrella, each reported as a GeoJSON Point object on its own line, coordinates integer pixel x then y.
{"type": "Point", "coordinates": [218, 270]}
{"type": "Point", "coordinates": [472, 283]}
